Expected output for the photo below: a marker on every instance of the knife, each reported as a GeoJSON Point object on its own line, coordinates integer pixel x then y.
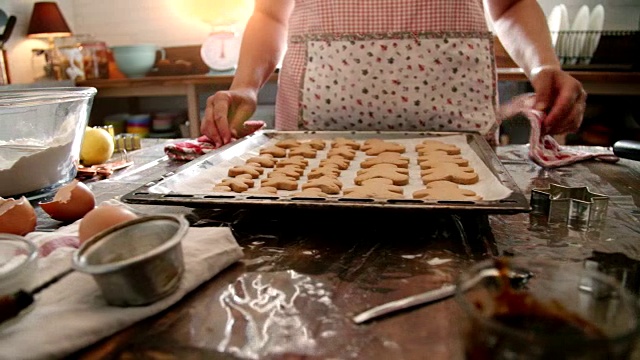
{"type": "Point", "coordinates": [628, 149]}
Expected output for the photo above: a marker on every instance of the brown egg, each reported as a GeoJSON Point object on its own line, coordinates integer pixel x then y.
{"type": "Point", "coordinates": [71, 202]}
{"type": "Point", "coordinates": [102, 218]}
{"type": "Point", "coordinates": [17, 216]}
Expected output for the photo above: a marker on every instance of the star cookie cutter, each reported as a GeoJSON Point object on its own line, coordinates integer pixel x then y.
{"type": "Point", "coordinates": [577, 207]}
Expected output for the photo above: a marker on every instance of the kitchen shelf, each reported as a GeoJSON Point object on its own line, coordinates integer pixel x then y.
{"type": "Point", "coordinates": [594, 82]}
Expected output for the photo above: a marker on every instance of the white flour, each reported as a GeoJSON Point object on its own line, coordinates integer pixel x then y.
{"type": "Point", "coordinates": [13, 263]}
{"type": "Point", "coordinates": [38, 163]}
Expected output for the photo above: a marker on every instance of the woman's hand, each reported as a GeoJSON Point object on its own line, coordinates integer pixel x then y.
{"type": "Point", "coordinates": [561, 97]}
{"type": "Point", "coordinates": [226, 113]}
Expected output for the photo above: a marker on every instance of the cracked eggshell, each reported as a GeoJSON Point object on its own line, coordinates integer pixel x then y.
{"type": "Point", "coordinates": [71, 202]}
{"type": "Point", "coordinates": [17, 216]}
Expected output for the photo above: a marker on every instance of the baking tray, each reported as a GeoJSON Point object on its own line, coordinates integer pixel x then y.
{"type": "Point", "coordinates": [160, 191]}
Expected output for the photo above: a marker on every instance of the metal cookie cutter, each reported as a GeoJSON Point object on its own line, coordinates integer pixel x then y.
{"type": "Point", "coordinates": [577, 207]}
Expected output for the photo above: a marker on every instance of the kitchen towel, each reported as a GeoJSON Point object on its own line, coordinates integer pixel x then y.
{"type": "Point", "coordinates": [71, 314]}
{"type": "Point", "coordinates": [544, 150]}
{"type": "Point", "coordinates": [193, 148]}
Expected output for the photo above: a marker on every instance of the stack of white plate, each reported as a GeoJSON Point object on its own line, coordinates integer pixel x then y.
{"type": "Point", "coordinates": [576, 42]}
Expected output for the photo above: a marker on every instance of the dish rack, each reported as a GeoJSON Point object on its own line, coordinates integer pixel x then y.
{"type": "Point", "coordinates": [610, 49]}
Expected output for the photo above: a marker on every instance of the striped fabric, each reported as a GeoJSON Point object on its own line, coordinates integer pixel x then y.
{"type": "Point", "coordinates": [340, 17]}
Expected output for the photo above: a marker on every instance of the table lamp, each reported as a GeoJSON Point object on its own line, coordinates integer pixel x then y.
{"type": "Point", "coordinates": [47, 22]}
{"type": "Point", "coordinates": [221, 49]}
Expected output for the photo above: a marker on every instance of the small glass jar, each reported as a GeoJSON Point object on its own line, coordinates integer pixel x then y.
{"type": "Point", "coordinates": [96, 60]}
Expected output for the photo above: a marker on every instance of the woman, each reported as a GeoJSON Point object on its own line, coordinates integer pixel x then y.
{"type": "Point", "coordinates": [391, 65]}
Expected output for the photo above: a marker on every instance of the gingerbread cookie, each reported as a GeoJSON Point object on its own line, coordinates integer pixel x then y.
{"type": "Point", "coordinates": [340, 162]}
{"type": "Point", "coordinates": [434, 145]}
{"type": "Point", "coordinates": [317, 144]}
{"type": "Point", "coordinates": [269, 190]}
{"type": "Point", "coordinates": [288, 171]}
{"type": "Point", "coordinates": [265, 160]}
{"type": "Point", "coordinates": [280, 182]}
{"type": "Point", "coordinates": [310, 192]}
{"type": "Point", "coordinates": [221, 188]}
{"type": "Point", "coordinates": [306, 151]}
{"type": "Point", "coordinates": [342, 151]}
{"type": "Point", "coordinates": [445, 190]}
{"type": "Point", "coordinates": [288, 143]}
{"type": "Point", "coordinates": [240, 183]}
{"type": "Point", "coordinates": [323, 171]}
{"type": "Point", "coordinates": [394, 174]}
{"type": "Point", "coordinates": [433, 162]}
{"type": "Point", "coordinates": [388, 167]}
{"type": "Point", "coordinates": [328, 185]}
{"type": "Point", "coordinates": [288, 168]}
{"type": "Point", "coordinates": [383, 183]}
{"type": "Point", "coordinates": [298, 161]}
{"type": "Point", "coordinates": [386, 158]}
{"type": "Point", "coordinates": [275, 151]}
{"type": "Point", "coordinates": [450, 172]}
{"type": "Point", "coordinates": [372, 190]}
{"type": "Point", "coordinates": [341, 141]}
{"type": "Point", "coordinates": [376, 147]}
{"type": "Point", "coordinates": [254, 171]}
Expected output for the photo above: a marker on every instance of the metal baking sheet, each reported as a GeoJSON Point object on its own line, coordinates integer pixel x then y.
{"type": "Point", "coordinates": [170, 189]}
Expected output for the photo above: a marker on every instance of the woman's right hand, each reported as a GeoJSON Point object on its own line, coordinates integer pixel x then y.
{"type": "Point", "coordinates": [226, 113]}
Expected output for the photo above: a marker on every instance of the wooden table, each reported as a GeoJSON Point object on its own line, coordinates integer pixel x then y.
{"type": "Point", "coordinates": [594, 82]}
{"type": "Point", "coordinates": [304, 274]}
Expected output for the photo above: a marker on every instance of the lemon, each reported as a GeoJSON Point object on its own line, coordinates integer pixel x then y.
{"type": "Point", "coordinates": [97, 146]}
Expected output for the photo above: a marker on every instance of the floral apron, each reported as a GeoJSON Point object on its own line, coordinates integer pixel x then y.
{"type": "Point", "coordinates": [409, 65]}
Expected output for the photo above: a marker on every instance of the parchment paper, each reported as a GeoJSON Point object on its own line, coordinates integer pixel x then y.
{"type": "Point", "coordinates": [202, 181]}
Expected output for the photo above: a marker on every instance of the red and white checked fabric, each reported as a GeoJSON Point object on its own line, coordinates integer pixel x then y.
{"type": "Point", "coordinates": [190, 149]}
{"type": "Point", "coordinates": [318, 17]}
{"type": "Point", "coordinates": [544, 150]}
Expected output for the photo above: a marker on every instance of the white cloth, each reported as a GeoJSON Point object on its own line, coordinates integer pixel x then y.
{"type": "Point", "coordinates": [71, 314]}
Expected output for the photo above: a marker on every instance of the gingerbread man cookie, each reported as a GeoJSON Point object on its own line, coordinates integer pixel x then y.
{"type": "Point", "coordinates": [342, 151]}
{"type": "Point", "coordinates": [323, 171]}
{"type": "Point", "coordinates": [297, 161]}
{"type": "Point", "coordinates": [445, 190]}
{"type": "Point", "coordinates": [281, 182]}
{"type": "Point", "coordinates": [240, 183]}
{"type": "Point", "coordinates": [269, 190]}
{"type": "Point", "coordinates": [340, 162]}
{"type": "Point", "coordinates": [254, 171]}
{"type": "Point", "coordinates": [265, 160]}
{"type": "Point", "coordinates": [450, 172]}
{"type": "Point", "coordinates": [328, 185]}
{"type": "Point", "coordinates": [310, 192]}
{"type": "Point", "coordinates": [386, 158]}
{"type": "Point", "coordinates": [305, 151]}
{"type": "Point", "coordinates": [373, 189]}
{"type": "Point", "coordinates": [394, 174]}
{"type": "Point", "coordinates": [434, 145]}
{"type": "Point", "coordinates": [317, 144]}
{"type": "Point", "coordinates": [288, 143]}
{"type": "Point", "coordinates": [288, 171]}
{"type": "Point", "coordinates": [388, 167]}
{"type": "Point", "coordinates": [376, 147]}
{"type": "Point", "coordinates": [341, 141]}
{"type": "Point", "coordinates": [275, 151]}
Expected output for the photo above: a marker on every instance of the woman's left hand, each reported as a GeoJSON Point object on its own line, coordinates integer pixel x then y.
{"type": "Point", "coordinates": [561, 97]}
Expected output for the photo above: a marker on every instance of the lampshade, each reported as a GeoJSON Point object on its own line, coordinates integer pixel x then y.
{"type": "Point", "coordinates": [47, 21]}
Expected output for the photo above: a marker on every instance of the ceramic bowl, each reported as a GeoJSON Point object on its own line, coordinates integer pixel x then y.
{"type": "Point", "coordinates": [136, 60]}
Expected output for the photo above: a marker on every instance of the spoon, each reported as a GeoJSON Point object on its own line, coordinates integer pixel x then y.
{"type": "Point", "coordinates": [516, 280]}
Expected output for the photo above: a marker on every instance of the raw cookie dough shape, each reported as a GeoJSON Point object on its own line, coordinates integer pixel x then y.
{"type": "Point", "coordinates": [450, 172]}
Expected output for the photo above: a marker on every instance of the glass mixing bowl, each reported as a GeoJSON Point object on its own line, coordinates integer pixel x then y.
{"type": "Point", "coordinates": [40, 138]}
